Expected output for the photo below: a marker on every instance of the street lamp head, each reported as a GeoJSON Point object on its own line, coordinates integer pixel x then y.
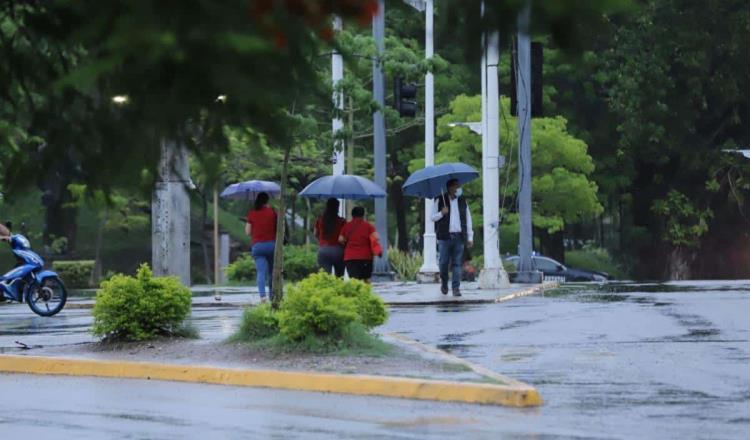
{"type": "Point", "coordinates": [221, 98]}
{"type": "Point", "coordinates": [120, 99]}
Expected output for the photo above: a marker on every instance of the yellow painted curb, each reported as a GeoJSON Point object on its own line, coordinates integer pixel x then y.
{"type": "Point", "coordinates": [329, 383]}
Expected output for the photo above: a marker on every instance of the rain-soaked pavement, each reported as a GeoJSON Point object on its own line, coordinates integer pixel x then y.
{"type": "Point", "coordinates": [622, 361]}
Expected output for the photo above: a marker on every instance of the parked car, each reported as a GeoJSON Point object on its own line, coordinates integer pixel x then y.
{"type": "Point", "coordinates": [555, 271]}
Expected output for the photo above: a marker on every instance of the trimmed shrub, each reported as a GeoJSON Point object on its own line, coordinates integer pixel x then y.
{"type": "Point", "coordinates": [299, 262]}
{"type": "Point", "coordinates": [75, 273]}
{"type": "Point", "coordinates": [323, 305]}
{"type": "Point", "coordinates": [242, 269]}
{"type": "Point", "coordinates": [258, 322]}
{"type": "Point", "coordinates": [405, 265]}
{"type": "Point", "coordinates": [141, 307]}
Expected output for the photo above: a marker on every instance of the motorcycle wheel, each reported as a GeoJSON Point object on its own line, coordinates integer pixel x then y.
{"type": "Point", "coordinates": [48, 298]}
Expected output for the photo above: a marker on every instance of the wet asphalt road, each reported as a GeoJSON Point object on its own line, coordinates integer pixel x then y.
{"type": "Point", "coordinates": [625, 361]}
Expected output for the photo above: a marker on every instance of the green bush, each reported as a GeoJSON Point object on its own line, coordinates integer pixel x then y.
{"type": "Point", "coordinates": [242, 269]}
{"type": "Point", "coordinates": [405, 265]}
{"type": "Point", "coordinates": [257, 323]}
{"type": "Point", "coordinates": [75, 274]}
{"type": "Point", "coordinates": [141, 307]}
{"type": "Point", "coordinates": [299, 262]}
{"type": "Point", "coordinates": [596, 259]}
{"type": "Point", "coordinates": [323, 305]}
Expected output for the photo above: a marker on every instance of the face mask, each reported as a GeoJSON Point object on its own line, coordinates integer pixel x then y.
{"type": "Point", "coordinates": [459, 192]}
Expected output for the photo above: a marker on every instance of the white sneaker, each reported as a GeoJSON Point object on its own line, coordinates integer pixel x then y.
{"type": "Point", "coordinates": [263, 299]}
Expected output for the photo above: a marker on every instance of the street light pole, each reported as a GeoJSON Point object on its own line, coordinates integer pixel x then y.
{"type": "Point", "coordinates": [378, 119]}
{"type": "Point", "coordinates": [337, 74]}
{"type": "Point", "coordinates": [429, 272]}
{"type": "Point", "coordinates": [493, 275]}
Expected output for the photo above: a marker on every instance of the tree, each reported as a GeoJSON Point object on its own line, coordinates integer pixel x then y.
{"type": "Point", "coordinates": [561, 166]}
{"type": "Point", "coordinates": [677, 104]}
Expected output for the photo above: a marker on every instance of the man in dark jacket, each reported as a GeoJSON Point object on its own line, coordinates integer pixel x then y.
{"type": "Point", "coordinates": [453, 227]}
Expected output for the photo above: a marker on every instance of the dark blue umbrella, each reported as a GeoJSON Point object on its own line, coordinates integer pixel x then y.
{"type": "Point", "coordinates": [249, 190]}
{"type": "Point", "coordinates": [344, 186]}
{"type": "Point", "coordinates": [430, 182]}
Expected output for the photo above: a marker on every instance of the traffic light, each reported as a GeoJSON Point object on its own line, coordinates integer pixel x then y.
{"type": "Point", "coordinates": [537, 78]}
{"type": "Point", "coordinates": [403, 98]}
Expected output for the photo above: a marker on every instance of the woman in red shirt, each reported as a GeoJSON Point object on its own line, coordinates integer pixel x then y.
{"type": "Point", "coordinates": [261, 227]}
{"type": "Point", "coordinates": [327, 230]}
{"type": "Point", "coordinates": [355, 237]}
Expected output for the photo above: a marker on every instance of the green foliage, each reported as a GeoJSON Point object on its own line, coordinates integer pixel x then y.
{"type": "Point", "coordinates": [596, 259]}
{"type": "Point", "coordinates": [242, 269]}
{"type": "Point", "coordinates": [75, 273]}
{"type": "Point", "coordinates": [406, 265]}
{"type": "Point", "coordinates": [141, 307]}
{"type": "Point", "coordinates": [299, 262]}
{"type": "Point", "coordinates": [684, 224]}
{"type": "Point", "coordinates": [323, 305]}
{"type": "Point", "coordinates": [257, 323]}
{"type": "Point", "coordinates": [563, 193]}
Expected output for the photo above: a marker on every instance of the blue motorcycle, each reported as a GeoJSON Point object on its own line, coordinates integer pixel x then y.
{"type": "Point", "coordinates": [42, 290]}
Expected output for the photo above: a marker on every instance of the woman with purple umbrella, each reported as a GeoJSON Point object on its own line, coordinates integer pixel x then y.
{"type": "Point", "coordinates": [261, 228]}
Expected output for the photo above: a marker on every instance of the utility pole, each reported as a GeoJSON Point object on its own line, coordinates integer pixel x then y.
{"type": "Point", "coordinates": [493, 275]}
{"type": "Point", "coordinates": [378, 119]}
{"type": "Point", "coordinates": [526, 272]}
{"type": "Point", "coordinates": [337, 74]}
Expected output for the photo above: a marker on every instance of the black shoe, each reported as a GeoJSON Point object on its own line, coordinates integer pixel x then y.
{"type": "Point", "coordinates": [444, 290]}
{"type": "Point", "coordinates": [456, 292]}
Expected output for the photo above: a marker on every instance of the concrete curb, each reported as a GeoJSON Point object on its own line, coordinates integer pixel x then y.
{"type": "Point", "coordinates": [526, 292]}
{"type": "Point", "coordinates": [447, 357]}
{"type": "Point", "coordinates": [366, 385]}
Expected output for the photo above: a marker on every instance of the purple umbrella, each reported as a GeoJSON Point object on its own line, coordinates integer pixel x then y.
{"type": "Point", "coordinates": [249, 190]}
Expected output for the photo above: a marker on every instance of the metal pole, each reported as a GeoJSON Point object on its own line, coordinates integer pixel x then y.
{"type": "Point", "coordinates": [526, 273]}
{"type": "Point", "coordinates": [378, 85]}
{"type": "Point", "coordinates": [216, 237]}
{"type": "Point", "coordinates": [429, 271]}
{"type": "Point", "coordinates": [337, 74]}
{"type": "Point", "coordinates": [217, 276]}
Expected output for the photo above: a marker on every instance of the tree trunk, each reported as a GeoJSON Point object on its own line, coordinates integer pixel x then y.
{"type": "Point", "coordinates": [96, 274]}
{"type": "Point", "coordinates": [307, 222]}
{"type": "Point", "coordinates": [293, 226]}
{"type": "Point", "coordinates": [204, 241]}
{"type": "Point", "coordinates": [552, 244]}
{"type": "Point", "coordinates": [679, 261]}
{"type": "Point", "coordinates": [278, 256]}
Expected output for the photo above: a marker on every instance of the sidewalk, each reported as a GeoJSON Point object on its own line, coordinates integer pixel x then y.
{"type": "Point", "coordinates": [394, 293]}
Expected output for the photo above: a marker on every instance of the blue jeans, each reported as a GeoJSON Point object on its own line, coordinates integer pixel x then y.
{"type": "Point", "coordinates": [263, 254]}
{"type": "Point", "coordinates": [451, 254]}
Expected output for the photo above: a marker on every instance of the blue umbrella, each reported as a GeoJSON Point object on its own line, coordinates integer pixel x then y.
{"type": "Point", "coordinates": [431, 182]}
{"type": "Point", "coordinates": [344, 186]}
{"type": "Point", "coordinates": [249, 190]}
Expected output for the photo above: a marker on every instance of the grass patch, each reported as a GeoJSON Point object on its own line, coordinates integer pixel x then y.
{"type": "Point", "coordinates": [598, 260]}
{"type": "Point", "coordinates": [187, 331]}
{"type": "Point", "coordinates": [456, 368]}
{"type": "Point", "coordinates": [354, 340]}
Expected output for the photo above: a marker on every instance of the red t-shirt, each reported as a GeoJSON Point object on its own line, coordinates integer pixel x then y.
{"type": "Point", "coordinates": [333, 239]}
{"type": "Point", "coordinates": [357, 233]}
{"type": "Point", "coordinates": [263, 222]}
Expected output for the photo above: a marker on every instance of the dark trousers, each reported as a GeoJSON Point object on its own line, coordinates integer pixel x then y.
{"type": "Point", "coordinates": [451, 256]}
{"type": "Point", "coordinates": [359, 269]}
{"type": "Point", "coordinates": [331, 258]}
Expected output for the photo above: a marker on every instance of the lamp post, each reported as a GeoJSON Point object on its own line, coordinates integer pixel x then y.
{"type": "Point", "coordinates": [337, 74]}
{"type": "Point", "coordinates": [429, 272]}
